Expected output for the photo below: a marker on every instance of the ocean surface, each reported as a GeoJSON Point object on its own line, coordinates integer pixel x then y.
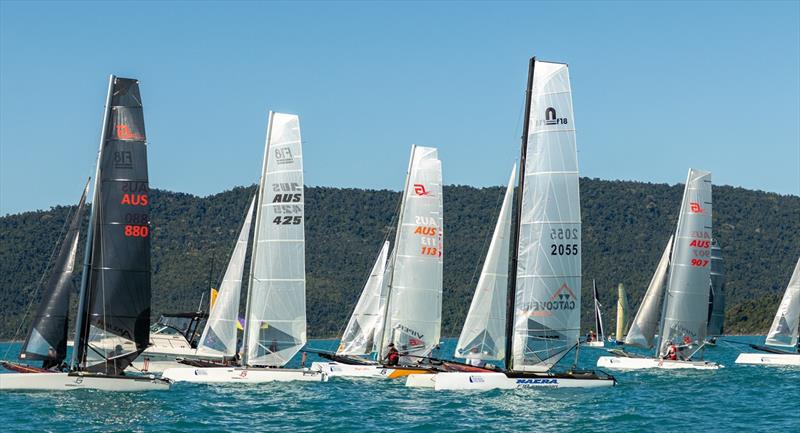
{"type": "Point", "coordinates": [736, 398]}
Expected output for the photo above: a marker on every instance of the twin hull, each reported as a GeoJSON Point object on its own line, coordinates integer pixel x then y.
{"type": "Point", "coordinates": [487, 381]}
{"type": "Point", "coordinates": [335, 369]}
{"type": "Point", "coordinates": [620, 363]}
{"type": "Point", "coordinates": [242, 375]}
{"type": "Point", "coordinates": [69, 382]}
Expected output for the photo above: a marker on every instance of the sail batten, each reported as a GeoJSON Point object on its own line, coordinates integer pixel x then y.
{"type": "Point", "coordinates": [483, 334]}
{"type": "Point", "coordinates": [546, 304]}
{"type": "Point", "coordinates": [784, 329]}
{"type": "Point", "coordinates": [685, 318]}
{"type": "Point", "coordinates": [414, 304]}
{"type": "Point", "coordinates": [276, 311]}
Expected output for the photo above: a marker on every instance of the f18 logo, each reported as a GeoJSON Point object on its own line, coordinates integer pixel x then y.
{"type": "Point", "coordinates": [419, 189]}
{"type": "Point", "coordinates": [694, 207]}
{"type": "Point", "coordinates": [550, 117]}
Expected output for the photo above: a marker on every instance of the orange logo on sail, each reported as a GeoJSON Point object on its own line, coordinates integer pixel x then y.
{"type": "Point", "coordinates": [694, 207]}
{"type": "Point", "coordinates": [124, 133]}
{"type": "Point", "coordinates": [419, 189]}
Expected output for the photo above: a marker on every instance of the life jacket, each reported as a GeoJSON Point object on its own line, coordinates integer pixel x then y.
{"type": "Point", "coordinates": [672, 354]}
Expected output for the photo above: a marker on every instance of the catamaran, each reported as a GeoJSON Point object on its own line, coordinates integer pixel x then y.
{"type": "Point", "coordinates": [783, 332]}
{"type": "Point", "coordinates": [401, 303]}
{"type": "Point", "coordinates": [716, 300]}
{"type": "Point", "coordinates": [113, 319]}
{"type": "Point", "coordinates": [275, 313]}
{"type": "Point", "coordinates": [171, 343]}
{"type": "Point", "coordinates": [599, 340]}
{"type": "Point", "coordinates": [542, 300]}
{"type": "Point", "coordinates": [685, 266]}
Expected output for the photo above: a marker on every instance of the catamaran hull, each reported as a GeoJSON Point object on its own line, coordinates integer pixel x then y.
{"type": "Point", "coordinates": [769, 359]}
{"type": "Point", "coordinates": [335, 369]}
{"type": "Point", "coordinates": [488, 381]}
{"type": "Point", "coordinates": [599, 344]}
{"type": "Point", "coordinates": [242, 375]}
{"type": "Point", "coordinates": [69, 382]}
{"type": "Point", "coordinates": [620, 363]}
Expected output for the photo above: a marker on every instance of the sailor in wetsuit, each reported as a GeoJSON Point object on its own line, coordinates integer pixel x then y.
{"type": "Point", "coordinates": [392, 358]}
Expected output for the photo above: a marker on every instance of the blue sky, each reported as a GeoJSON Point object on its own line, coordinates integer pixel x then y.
{"type": "Point", "coordinates": [657, 88]}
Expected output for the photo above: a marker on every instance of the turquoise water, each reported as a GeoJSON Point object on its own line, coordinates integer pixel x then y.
{"type": "Point", "coordinates": [747, 398]}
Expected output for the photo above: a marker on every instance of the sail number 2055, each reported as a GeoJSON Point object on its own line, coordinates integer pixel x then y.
{"type": "Point", "coordinates": [564, 249]}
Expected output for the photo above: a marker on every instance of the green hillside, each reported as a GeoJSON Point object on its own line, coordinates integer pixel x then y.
{"type": "Point", "coordinates": [626, 225]}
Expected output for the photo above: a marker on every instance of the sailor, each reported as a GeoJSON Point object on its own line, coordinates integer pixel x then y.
{"type": "Point", "coordinates": [475, 361]}
{"type": "Point", "coordinates": [590, 336]}
{"type": "Point", "coordinates": [393, 356]}
{"type": "Point", "coordinates": [50, 362]}
{"type": "Point", "coordinates": [672, 352]}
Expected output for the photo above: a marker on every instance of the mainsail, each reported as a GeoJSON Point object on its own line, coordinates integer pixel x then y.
{"type": "Point", "coordinates": [47, 337]}
{"type": "Point", "coordinates": [414, 306]}
{"type": "Point", "coordinates": [219, 335]}
{"type": "Point", "coordinates": [598, 314]}
{"type": "Point", "coordinates": [644, 326]}
{"type": "Point", "coordinates": [546, 313]}
{"type": "Point", "coordinates": [114, 310]}
{"type": "Point", "coordinates": [483, 334]}
{"type": "Point", "coordinates": [362, 330]}
{"type": "Point", "coordinates": [716, 302]}
{"type": "Point", "coordinates": [785, 325]}
{"type": "Point", "coordinates": [275, 328]}
{"type": "Point", "coordinates": [686, 305]}
{"type": "Point", "coordinates": [622, 311]}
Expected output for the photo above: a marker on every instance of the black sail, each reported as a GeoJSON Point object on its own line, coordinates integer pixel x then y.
{"type": "Point", "coordinates": [47, 336]}
{"type": "Point", "coordinates": [118, 288]}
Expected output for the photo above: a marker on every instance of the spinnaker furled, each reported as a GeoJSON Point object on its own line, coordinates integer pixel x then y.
{"type": "Point", "coordinates": [645, 324]}
{"type": "Point", "coordinates": [413, 317]}
{"type": "Point", "coordinates": [484, 333]}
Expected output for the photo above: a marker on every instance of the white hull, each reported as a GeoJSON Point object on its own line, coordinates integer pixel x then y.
{"type": "Point", "coordinates": [599, 344]}
{"type": "Point", "coordinates": [242, 375]}
{"type": "Point", "coordinates": [769, 359]}
{"type": "Point", "coordinates": [620, 363]}
{"type": "Point", "coordinates": [487, 381]}
{"type": "Point", "coordinates": [67, 382]}
{"type": "Point", "coordinates": [335, 369]}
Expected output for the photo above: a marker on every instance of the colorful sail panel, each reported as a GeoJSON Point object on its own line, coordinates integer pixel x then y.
{"type": "Point", "coordinates": [414, 310]}
{"type": "Point", "coordinates": [645, 324]}
{"type": "Point", "coordinates": [484, 333]}
{"type": "Point", "coordinates": [118, 290]}
{"type": "Point", "coordinates": [276, 307]}
{"type": "Point", "coordinates": [686, 305]}
{"type": "Point", "coordinates": [362, 329]}
{"type": "Point", "coordinates": [220, 335]}
{"type": "Point", "coordinates": [548, 275]}
{"type": "Point", "coordinates": [784, 329]}
{"type": "Point", "coordinates": [716, 301]}
{"type": "Point", "coordinates": [47, 336]}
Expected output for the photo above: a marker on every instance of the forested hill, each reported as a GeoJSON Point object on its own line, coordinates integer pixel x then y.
{"type": "Point", "coordinates": [625, 228]}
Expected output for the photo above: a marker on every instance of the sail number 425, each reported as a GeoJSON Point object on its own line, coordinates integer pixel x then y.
{"type": "Point", "coordinates": [287, 220]}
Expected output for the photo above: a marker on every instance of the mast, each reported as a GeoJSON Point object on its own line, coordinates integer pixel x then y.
{"type": "Point", "coordinates": [512, 287]}
{"type": "Point", "coordinates": [81, 324]}
{"type": "Point", "coordinates": [386, 321]}
{"type": "Point", "coordinates": [251, 278]}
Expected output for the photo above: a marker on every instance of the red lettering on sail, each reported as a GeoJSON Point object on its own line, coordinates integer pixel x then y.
{"type": "Point", "coordinates": [419, 189]}
{"type": "Point", "coordinates": [426, 231]}
{"type": "Point", "coordinates": [694, 207]}
{"type": "Point", "coordinates": [135, 199]}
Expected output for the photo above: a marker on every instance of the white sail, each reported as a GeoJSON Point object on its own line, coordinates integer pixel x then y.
{"type": "Point", "coordinates": [483, 334]}
{"type": "Point", "coordinates": [414, 310]}
{"type": "Point", "coordinates": [785, 325]}
{"type": "Point", "coordinates": [598, 314]}
{"type": "Point", "coordinates": [622, 312]}
{"type": "Point", "coordinates": [644, 326]}
{"type": "Point", "coordinates": [362, 330]}
{"type": "Point", "coordinates": [686, 305]}
{"type": "Point", "coordinates": [219, 334]}
{"type": "Point", "coordinates": [548, 275]}
{"type": "Point", "coordinates": [276, 308]}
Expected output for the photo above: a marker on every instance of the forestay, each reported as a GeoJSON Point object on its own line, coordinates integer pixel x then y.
{"type": "Point", "coordinates": [276, 308]}
{"type": "Point", "coordinates": [483, 334]}
{"type": "Point", "coordinates": [548, 275]}
{"type": "Point", "coordinates": [644, 326]}
{"type": "Point", "coordinates": [47, 337]}
{"type": "Point", "coordinates": [785, 325]}
{"type": "Point", "coordinates": [686, 304]}
{"type": "Point", "coordinates": [220, 333]}
{"type": "Point", "coordinates": [362, 329]}
{"type": "Point", "coordinates": [414, 310]}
